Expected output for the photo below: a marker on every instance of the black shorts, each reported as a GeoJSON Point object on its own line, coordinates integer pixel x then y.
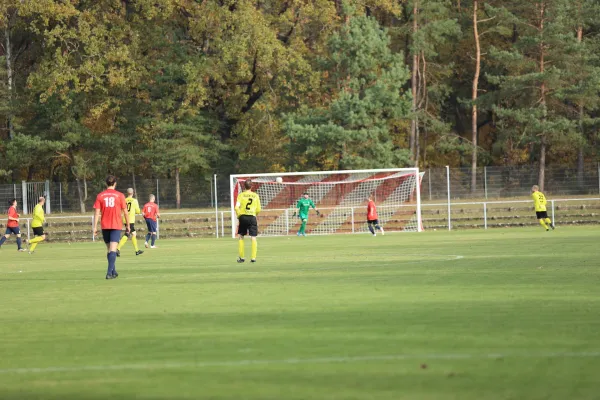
{"type": "Point", "coordinates": [541, 214]}
{"type": "Point", "coordinates": [131, 228]}
{"type": "Point", "coordinates": [373, 221]}
{"type": "Point", "coordinates": [39, 231]}
{"type": "Point", "coordinates": [111, 235]}
{"type": "Point", "coordinates": [248, 225]}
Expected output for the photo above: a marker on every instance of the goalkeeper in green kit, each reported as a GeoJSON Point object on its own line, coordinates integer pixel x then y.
{"type": "Point", "coordinates": [304, 205]}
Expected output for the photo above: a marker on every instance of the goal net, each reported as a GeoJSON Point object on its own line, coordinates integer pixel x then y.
{"type": "Point", "coordinates": [340, 196]}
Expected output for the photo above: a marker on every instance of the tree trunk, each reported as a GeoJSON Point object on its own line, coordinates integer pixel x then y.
{"type": "Point", "coordinates": [542, 169]}
{"type": "Point", "coordinates": [415, 69]}
{"type": "Point", "coordinates": [9, 79]}
{"type": "Point", "coordinates": [474, 94]}
{"type": "Point", "coordinates": [133, 183]}
{"type": "Point", "coordinates": [543, 144]}
{"type": "Point", "coordinates": [177, 189]}
{"type": "Point", "coordinates": [417, 143]}
{"type": "Point", "coordinates": [580, 155]}
{"type": "Point", "coordinates": [580, 167]}
{"type": "Point", "coordinates": [80, 195]}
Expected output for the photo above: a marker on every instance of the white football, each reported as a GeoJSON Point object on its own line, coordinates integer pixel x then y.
{"type": "Point", "coordinates": [279, 179]}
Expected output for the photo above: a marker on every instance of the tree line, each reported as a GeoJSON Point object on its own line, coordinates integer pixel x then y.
{"type": "Point", "coordinates": [168, 88]}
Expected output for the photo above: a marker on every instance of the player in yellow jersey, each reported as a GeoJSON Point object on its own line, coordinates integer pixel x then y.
{"type": "Point", "coordinates": [133, 208]}
{"type": "Point", "coordinates": [539, 202]}
{"type": "Point", "coordinates": [37, 224]}
{"type": "Point", "coordinates": [247, 207]}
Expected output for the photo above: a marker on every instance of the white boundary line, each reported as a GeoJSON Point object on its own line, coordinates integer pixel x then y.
{"type": "Point", "coordinates": [296, 361]}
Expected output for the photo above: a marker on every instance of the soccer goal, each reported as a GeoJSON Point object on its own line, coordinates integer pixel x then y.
{"type": "Point", "coordinates": [340, 196]}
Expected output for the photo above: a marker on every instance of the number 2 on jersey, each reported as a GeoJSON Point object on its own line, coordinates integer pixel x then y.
{"type": "Point", "coordinates": [249, 204]}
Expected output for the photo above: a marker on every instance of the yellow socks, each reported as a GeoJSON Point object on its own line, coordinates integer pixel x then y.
{"type": "Point", "coordinates": [543, 224]}
{"type": "Point", "coordinates": [34, 242]}
{"type": "Point", "coordinates": [254, 249]}
{"type": "Point", "coordinates": [548, 221]}
{"type": "Point", "coordinates": [122, 242]}
{"type": "Point", "coordinates": [241, 248]}
{"type": "Point", "coordinates": [134, 242]}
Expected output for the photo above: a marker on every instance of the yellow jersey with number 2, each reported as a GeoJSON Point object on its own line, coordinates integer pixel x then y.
{"type": "Point", "coordinates": [539, 201]}
{"type": "Point", "coordinates": [248, 203]}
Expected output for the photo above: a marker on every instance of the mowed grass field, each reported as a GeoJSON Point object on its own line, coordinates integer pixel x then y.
{"type": "Point", "coordinates": [498, 314]}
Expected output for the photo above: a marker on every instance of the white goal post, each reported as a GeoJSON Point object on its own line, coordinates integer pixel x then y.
{"type": "Point", "coordinates": [340, 196]}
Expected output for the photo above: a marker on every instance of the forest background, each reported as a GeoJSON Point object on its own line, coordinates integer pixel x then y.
{"type": "Point", "coordinates": [188, 88]}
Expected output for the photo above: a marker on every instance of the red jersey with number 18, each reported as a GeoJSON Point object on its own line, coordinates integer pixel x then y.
{"type": "Point", "coordinates": [150, 211]}
{"type": "Point", "coordinates": [111, 203]}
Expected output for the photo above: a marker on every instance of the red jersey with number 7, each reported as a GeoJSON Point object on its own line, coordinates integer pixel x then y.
{"type": "Point", "coordinates": [111, 203]}
{"type": "Point", "coordinates": [150, 211]}
{"type": "Point", "coordinates": [371, 211]}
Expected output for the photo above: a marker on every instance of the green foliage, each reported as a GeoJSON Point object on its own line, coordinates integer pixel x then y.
{"type": "Point", "coordinates": [242, 86]}
{"type": "Point", "coordinates": [353, 131]}
{"type": "Point", "coordinates": [182, 145]}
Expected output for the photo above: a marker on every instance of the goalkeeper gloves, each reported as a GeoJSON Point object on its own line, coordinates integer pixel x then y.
{"type": "Point", "coordinates": [318, 213]}
{"type": "Point", "coordinates": [293, 215]}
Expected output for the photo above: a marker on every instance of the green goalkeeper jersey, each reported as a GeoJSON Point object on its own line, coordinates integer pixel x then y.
{"type": "Point", "coordinates": [303, 206]}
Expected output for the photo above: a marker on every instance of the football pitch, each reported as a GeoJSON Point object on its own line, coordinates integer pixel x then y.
{"type": "Point", "coordinates": [498, 314]}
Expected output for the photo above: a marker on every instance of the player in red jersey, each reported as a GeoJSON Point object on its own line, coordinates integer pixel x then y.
{"type": "Point", "coordinates": [111, 205]}
{"type": "Point", "coordinates": [150, 213]}
{"type": "Point", "coordinates": [12, 226]}
{"type": "Point", "coordinates": [372, 218]}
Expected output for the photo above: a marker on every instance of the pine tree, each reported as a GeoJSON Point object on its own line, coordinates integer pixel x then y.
{"type": "Point", "coordinates": [530, 110]}
{"type": "Point", "coordinates": [353, 131]}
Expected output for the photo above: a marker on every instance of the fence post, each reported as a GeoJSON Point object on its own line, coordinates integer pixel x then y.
{"type": "Point", "coordinates": [287, 222]}
{"type": "Point", "coordinates": [157, 228]}
{"type": "Point", "coordinates": [485, 181]}
{"type": "Point", "coordinates": [60, 195]}
{"type": "Point", "coordinates": [484, 216]}
{"type": "Point", "coordinates": [429, 176]}
{"type": "Point", "coordinates": [448, 185]}
{"type": "Point", "coordinates": [93, 236]}
{"type": "Point", "coordinates": [48, 197]}
{"type": "Point", "coordinates": [352, 213]}
{"type": "Point", "coordinates": [222, 225]}
{"type": "Point", "coordinates": [157, 196]}
{"type": "Point", "coordinates": [24, 196]}
{"type": "Point", "coordinates": [28, 232]}
{"type": "Point", "coordinates": [552, 201]}
{"type": "Point", "coordinates": [15, 190]}
{"type": "Point", "coordinates": [216, 207]}
{"type": "Point", "coordinates": [599, 177]}
{"type": "Point", "coordinates": [232, 206]}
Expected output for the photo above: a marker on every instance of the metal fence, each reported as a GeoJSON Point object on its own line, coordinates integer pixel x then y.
{"type": "Point", "coordinates": [493, 183]}
{"type": "Point", "coordinates": [64, 196]}
{"type": "Point", "coordinates": [507, 182]}
{"type": "Point", "coordinates": [460, 215]}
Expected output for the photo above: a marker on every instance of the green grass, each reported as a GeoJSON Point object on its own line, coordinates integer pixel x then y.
{"type": "Point", "coordinates": [500, 314]}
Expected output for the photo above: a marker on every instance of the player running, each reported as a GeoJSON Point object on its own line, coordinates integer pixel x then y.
{"type": "Point", "coordinates": [111, 205]}
{"type": "Point", "coordinates": [247, 208]}
{"type": "Point", "coordinates": [304, 205]}
{"type": "Point", "coordinates": [37, 224]}
{"type": "Point", "coordinates": [372, 219]}
{"type": "Point", "coordinates": [12, 226]}
{"type": "Point", "coordinates": [539, 201]}
{"type": "Point", "coordinates": [133, 208]}
{"type": "Point", "coordinates": [150, 213]}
